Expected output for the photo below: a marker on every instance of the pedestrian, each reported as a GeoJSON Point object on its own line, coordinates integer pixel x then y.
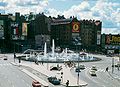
{"type": "Point", "coordinates": [14, 56]}
{"type": "Point", "coordinates": [42, 62]}
{"type": "Point", "coordinates": [107, 69]}
{"type": "Point", "coordinates": [67, 83]}
{"type": "Point", "coordinates": [118, 66]}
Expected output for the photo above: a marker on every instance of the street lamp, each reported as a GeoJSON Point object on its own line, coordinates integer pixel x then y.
{"type": "Point", "coordinates": [78, 71]}
{"type": "Point", "coordinates": [112, 64]}
{"type": "Point", "coordinates": [14, 53]}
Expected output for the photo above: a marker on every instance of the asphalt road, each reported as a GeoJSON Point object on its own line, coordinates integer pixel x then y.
{"type": "Point", "coordinates": [11, 76]}
{"type": "Point", "coordinates": [103, 79]}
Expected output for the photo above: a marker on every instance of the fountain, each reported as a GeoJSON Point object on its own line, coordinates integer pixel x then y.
{"type": "Point", "coordinates": [53, 48]}
{"type": "Point", "coordinates": [59, 57]}
{"type": "Point", "coordinates": [45, 50]}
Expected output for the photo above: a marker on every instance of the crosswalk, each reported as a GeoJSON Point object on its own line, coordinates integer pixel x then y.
{"type": "Point", "coordinates": [101, 70]}
{"type": "Point", "coordinates": [5, 64]}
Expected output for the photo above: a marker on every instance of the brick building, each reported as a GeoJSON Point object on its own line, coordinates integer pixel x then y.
{"type": "Point", "coordinates": [77, 35]}
{"type": "Point", "coordinates": [65, 32]}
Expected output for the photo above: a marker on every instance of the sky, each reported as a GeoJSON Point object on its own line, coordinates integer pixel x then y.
{"type": "Point", "coordinates": [107, 11]}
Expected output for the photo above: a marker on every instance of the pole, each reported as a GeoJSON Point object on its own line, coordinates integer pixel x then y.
{"type": "Point", "coordinates": [112, 64]}
{"type": "Point", "coordinates": [14, 53]}
{"type": "Point", "coordinates": [78, 72]}
{"type": "Point", "coordinates": [48, 63]}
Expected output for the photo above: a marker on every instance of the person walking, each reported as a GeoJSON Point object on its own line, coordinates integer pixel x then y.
{"type": "Point", "coordinates": [107, 69]}
{"type": "Point", "coordinates": [67, 83]}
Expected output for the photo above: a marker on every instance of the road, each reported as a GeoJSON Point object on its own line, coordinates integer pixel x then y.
{"type": "Point", "coordinates": [11, 76]}
{"type": "Point", "coordinates": [20, 79]}
{"type": "Point", "coordinates": [103, 78]}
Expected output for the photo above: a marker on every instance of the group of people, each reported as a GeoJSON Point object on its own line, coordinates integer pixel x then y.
{"type": "Point", "coordinates": [69, 64]}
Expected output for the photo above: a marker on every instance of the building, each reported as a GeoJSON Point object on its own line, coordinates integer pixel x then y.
{"type": "Point", "coordinates": [65, 32]}
{"type": "Point", "coordinates": [111, 43]}
{"type": "Point", "coordinates": [39, 31]}
{"type": "Point", "coordinates": [3, 32]}
{"type": "Point", "coordinates": [90, 33]}
{"type": "Point", "coordinates": [21, 32]}
{"type": "Point", "coordinates": [77, 35]}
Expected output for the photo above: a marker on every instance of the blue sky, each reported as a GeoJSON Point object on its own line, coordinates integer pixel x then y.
{"type": "Point", "coordinates": [108, 11]}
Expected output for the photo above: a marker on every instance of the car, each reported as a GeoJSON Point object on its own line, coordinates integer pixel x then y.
{"type": "Point", "coordinates": [82, 67]}
{"type": "Point", "coordinates": [92, 73]}
{"type": "Point", "coordinates": [5, 58]}
{"type": "Point", "coordinates": [54, 80]}
{"type": "Point", "coordinates": [94, 68]}
{"type": "Point", "coordinates": [36, 84]}
{"type": "Point", "coordinates": [56, 68]}
{"type": "Point", "coordinates": [77, 69]}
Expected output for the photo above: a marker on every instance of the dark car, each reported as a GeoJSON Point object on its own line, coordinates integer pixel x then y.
{"type": "Point", "coordinates": [56, 68]}
{"type": "Point", "coordinates": [36, 84]}
{"type": "Point", "coordinates": [54, 80]}
{"type": "Point", "coordinates": [77, 69]}
{"type": "Point", "coordinates": [5, 58]}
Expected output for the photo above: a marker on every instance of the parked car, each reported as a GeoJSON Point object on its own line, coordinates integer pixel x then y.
{"type": "Point", "coordinates": [54, 80]}
{"type": "Point", "coordinates": [94, 68]}
{"type": "Point", "coordinates": [5, 58]}
{"type": "Point", "coordinates": [82, 67]}
{"type": "Point", "coordinates": [56, 68]}
{"type": "Point", "coordinates": [36, 84]}
{"type": "Point", "coordinates": [92, 73]}
{"type": "Point", "coordinates": [77, 69]}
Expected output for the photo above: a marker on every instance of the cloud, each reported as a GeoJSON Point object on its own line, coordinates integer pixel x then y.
{"type": "Point", "coordinates": [110, 30]}
{"type": "Point", "coordinates": [77, 10]}
{"type": "Point", "coordinates": [53, 12]}
{"type": "Point", "coordinates": [36, 6]}
{"type": "Point", "coordinates": [107, 12]}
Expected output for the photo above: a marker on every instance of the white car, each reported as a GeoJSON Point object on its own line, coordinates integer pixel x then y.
{"type": "Point", "coordinates": [92, 73]}
{"type": "Point", "coordinates": [82, 66]}
{"type": "Point", "coordinates": [94, 68]}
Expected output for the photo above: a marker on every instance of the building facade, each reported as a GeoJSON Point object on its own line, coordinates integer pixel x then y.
{"type": "Point", "coordinates": [111, 43]}
{"type": "Point", "coordinates": [65, 32]}
{"type": "Point", "coordinates": [77, 35]}
{"type": "Point", "coordinates": [21, 32]}
{"type": "Point", "coordinates": [91, 34]}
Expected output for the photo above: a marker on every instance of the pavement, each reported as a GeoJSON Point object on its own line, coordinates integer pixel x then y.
{"type": "Point", "coordinates": [115, 74]}
{"type": "Point", "coordinates": [45, 69]}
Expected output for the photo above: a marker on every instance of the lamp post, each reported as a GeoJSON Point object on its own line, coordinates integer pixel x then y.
{"type": "Point", "coordinates": [14, 52]}
{"type": "Point", "coordinates": [112, 64]}
{"type": "Point", "coordinates": [78, 71]}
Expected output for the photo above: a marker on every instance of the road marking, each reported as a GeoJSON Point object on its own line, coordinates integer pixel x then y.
{"type": "Point", "coordinates": [5, 64]}
{"type": "Point", "coordinates": [28, 85]}
{"type": "Point", "coordinates": [23, 80]}
{"type": "Point", "coordinates": [101, 70]}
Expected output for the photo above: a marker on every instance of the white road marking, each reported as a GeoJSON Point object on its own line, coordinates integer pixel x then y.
{"type": "Point", "coordinates": [28, 85]}
{"type": "Point", "coordinates": [23, 80]}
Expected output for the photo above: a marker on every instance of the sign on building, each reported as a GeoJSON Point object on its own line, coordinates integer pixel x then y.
{"type": "Point", "coordinates": [14, 30]}
{"type": "Point", "coordinates": [98, 37]}
{"type": "Point", "coordinates": [75, 27]}
{"type": "Point", "coordinates": [1, 29]}
{"type": "Point", "coordinates": [24, 29]}
{"type": "Point", "coordinates": [113, 39]}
